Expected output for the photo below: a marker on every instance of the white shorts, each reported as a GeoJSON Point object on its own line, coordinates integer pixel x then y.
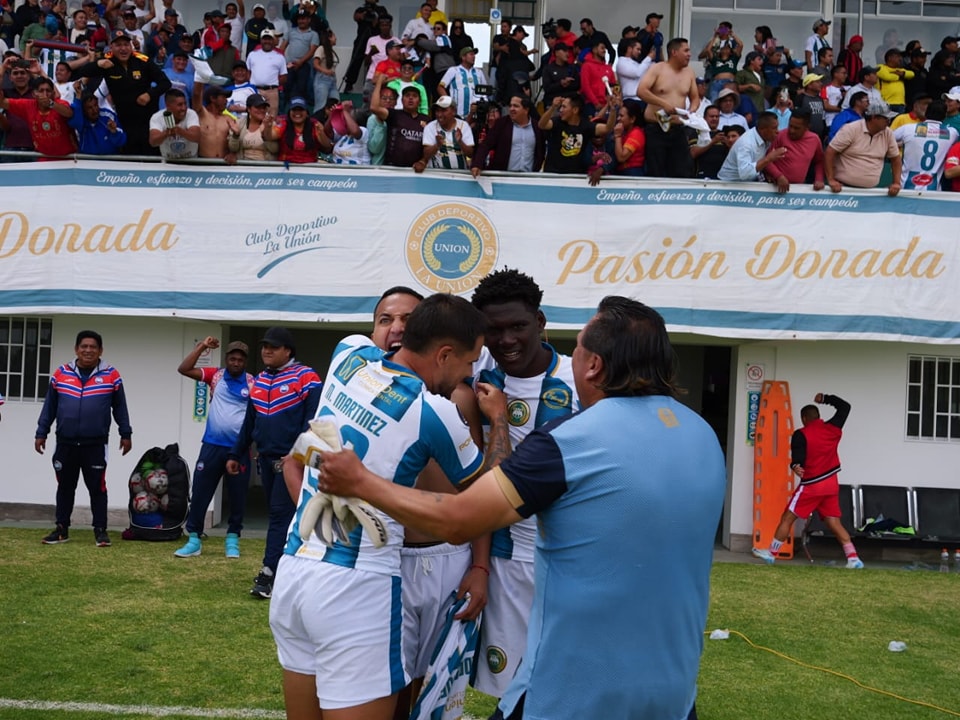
{"type": "Point", "coordinates": [429, 575]}
{"type": "Point", "coordinates": [341, 625]}
{"type": "Point", "coordinates": [503, 633]}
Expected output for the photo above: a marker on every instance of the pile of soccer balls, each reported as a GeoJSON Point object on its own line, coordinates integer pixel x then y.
{"type": "Point", "coordinates": [148, 487]}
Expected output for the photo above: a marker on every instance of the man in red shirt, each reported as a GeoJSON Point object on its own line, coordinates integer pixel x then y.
{"type": "Point", "coordinates": [815, 462]}
{"type": "Point", "coordinates": [951, 171]}
{"type": "Point", "coordinates": [803, 151]}
{"type": "Point", "coordinates": [390, 68]}
{"type": "Point", "coordinates": [592, 73]}
{"type": "Point", "coordinates": [47, 118]}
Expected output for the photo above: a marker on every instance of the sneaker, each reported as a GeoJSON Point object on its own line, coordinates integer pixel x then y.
{"type": "Point", "coordinates": [101, 537]}
{"type": "Point", "coordinates": [263, 584]}
{"type": "Point", "coordinates": [764, 555]}
{"type": "Point", "coordinates": [60, 535]}
{"type": "Point", "coordinates": [192, 548]}
{"type": "Point", "coordinates": [854, 563]}
{"type": "Point", "coordinates": [231, 546]}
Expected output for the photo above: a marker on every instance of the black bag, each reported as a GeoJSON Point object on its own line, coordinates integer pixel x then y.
{"type": "Point", "coordinates": [159, 495]}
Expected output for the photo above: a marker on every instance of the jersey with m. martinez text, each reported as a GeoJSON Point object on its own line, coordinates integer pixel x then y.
{"type": "Point", "coordinates": [395, 425]}
{"type": "Point", "coordinates": [531, 402]}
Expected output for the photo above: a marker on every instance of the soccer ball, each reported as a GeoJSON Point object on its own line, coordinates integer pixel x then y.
{"type": "Point", "coordinates": [156, 481]}
{"type": "Point", "coordinates": [136, 483]}
{"type": "Point", "coordinates": [164, 502]}
{"type": "Point", "coordinates": [144, 502]}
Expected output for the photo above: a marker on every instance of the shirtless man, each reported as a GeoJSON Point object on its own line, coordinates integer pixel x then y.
{"type": "Point", "coordinates": [665, 88]}
{"type": "Point", "coordinates": [214, 125]}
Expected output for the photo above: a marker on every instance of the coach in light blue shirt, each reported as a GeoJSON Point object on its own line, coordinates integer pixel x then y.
{"type": "Point", "coordinates": [748, 156]}
{"type": "Point", "coordinates": [616, 627]}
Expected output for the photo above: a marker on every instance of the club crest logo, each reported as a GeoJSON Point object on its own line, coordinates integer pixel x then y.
{"type": "Point", "coordinates": [518, 413]}
{"type": "Point", "coordinates": [496, 659]}
{"type": "Point", "coordinates": [450, 247]}
{"type": "Point", "coordinates": [556, 399]}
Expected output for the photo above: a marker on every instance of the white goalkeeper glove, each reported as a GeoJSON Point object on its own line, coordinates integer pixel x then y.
{"type": "Point", "coordinates": [333, 518]}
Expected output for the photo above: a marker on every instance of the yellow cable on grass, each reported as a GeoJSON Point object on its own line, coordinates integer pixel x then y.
{"type": "Point", "coordinates": [841, 675]}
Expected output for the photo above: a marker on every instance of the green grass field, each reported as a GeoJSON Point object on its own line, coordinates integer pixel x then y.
{"type": "Point", "coordinates": [133, 626]}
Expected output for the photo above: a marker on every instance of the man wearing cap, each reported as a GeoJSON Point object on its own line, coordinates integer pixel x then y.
{"type": "Point", "coordinates": [404, 126]}
{"type": "Point", "coordinates": [515, 65]}
{"type": "Point", "coordinates": [727, 101]}
{"type": "Point", "coordinates": [181, 78]}
{"type": "Point", "coordinates": [298, 50]}
{"type": "Point", "coordinates": [229, 391]}
{"type": "Point", "coordinates": [850, 57]}
{"type": "Point", "coordinates": [214, 123]}
{"type": "Point", "coordinates": [268, 69]}
{"type": "Point", "coordinates": [447, 141]}
{"type": "Point", "coordinates": [952, 101]}
{"type": "Point", "coordinates": [390, 66]}
{"type": "Point", "coordinates": [561, 77]}
{"type": "Point", "coordinates": [856, 154]}
{"type": "Point", "coordinates": [460, 82]}
{"type": "Point", "coordinates": [650, 37]}
{"type": "Point", "coordinates": [892, 76]}
{"type": "Point", "coordinates": [135, 84]}
{"type": "Point", "coordinates": [176, 130]}
{"type": "Point", "coordinates": [868, 84]}
{"type": "Point", "coordinates": [256, 25]}
{"type": "Point", "coordinates": [408, 79]}
{"type": "Point", "coordinates": [918, 84]}
{"type": "Point", "coordinates": [815, 42]}
{"type": "Point", "coordinates": [240, 89]}
{"type": "Point", "coordinates": [809, 99]}
{"type": "Point", "coordinates": [283, 399]}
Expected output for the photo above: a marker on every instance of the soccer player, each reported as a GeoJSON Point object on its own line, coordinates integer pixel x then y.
{"type": "Point", "coordinates": [617, 624]}
{"type": "Point", "coordinates": [81, 397]}
{"type": "Point", "coordinates": [336, 611]}
{"type": "Point", "coordinates": [814, 459]}
{"type": "Point", "coordinates": [925, 147]}
{"type": "Point", "coordinates": [230, 388]}
{"type": "Point", "coordinates": [430, 569]}
{"type": "Point", "coordinates": [539, 386]}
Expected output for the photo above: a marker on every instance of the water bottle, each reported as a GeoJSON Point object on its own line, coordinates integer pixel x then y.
{"type": "Point", "coordinates": [944, 560]}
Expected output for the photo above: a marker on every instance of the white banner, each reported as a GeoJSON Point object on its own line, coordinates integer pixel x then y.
{"type": "Point", "coordinates": [321, 244]}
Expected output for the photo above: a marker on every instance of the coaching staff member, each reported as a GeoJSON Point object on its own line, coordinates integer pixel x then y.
{"type": "Point", "coordinates": [135, 84]}
{"type": "Point", "coordinates": [628, 458]}
{"type": "Point", "coordinates": [81, 396]}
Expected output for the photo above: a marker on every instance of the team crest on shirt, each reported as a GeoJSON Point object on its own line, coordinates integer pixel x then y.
{"type": "Point", "coordinates": [556, 399]}
{"type": "Point", "coordinates": [496, 659]}
{"type": "Point", "coordinates": [518, 413]}
{"type": "Point", "coordinates": [244, 393]}
{"type": "Point", "coordinates": [200, 466]}
{"type": "Point", "coordinates": [284, 389]}
{"type": "Point", "coordinates": [450, 247]}
{"type": "Point", "coordinates": [98, 380]}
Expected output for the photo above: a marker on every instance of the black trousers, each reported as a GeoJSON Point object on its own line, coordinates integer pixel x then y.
{"type": "Point", "coordinates": [69, 461]}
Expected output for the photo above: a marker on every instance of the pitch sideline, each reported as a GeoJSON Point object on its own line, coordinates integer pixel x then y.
{"type": "Point", "coordinates": [154, 710]}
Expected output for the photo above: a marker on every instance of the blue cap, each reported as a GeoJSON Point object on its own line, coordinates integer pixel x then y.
{"type": "Point", "coordinates": [298, 102]}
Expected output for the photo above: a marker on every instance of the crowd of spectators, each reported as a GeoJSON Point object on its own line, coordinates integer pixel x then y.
{"type": "Point", "coordinates": [121, 77]}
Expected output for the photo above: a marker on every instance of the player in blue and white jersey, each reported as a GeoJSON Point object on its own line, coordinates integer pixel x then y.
{"type": "Point", "coordinates": [538, 383]}
{"type": "Point", "coordinates": [336, 610]}
{"type": "Point", "coordinates": [617, 624]}
{"type": "Point", "coordinates": [925, 146]}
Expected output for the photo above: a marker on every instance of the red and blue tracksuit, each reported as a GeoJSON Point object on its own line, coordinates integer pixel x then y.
{"type": "Point", "coordinates": [282, 403]}
{"type": "Point", "coordinates": [82, 403]}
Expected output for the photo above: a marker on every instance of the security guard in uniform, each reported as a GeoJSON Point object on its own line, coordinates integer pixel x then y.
{"type": "Point", "coordinates": [135, 84]}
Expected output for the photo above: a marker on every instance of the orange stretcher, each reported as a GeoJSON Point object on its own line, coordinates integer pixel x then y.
{"type": "Point", "coordinates": [773, 483]}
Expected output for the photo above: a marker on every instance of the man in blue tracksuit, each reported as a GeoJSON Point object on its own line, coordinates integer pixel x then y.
{"type": "Point", "coordinates": [97, 130]}
{"type": "Point", "coordinates": [282, 402]}
{"type": "Point", "coordinates": [81, 397]}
